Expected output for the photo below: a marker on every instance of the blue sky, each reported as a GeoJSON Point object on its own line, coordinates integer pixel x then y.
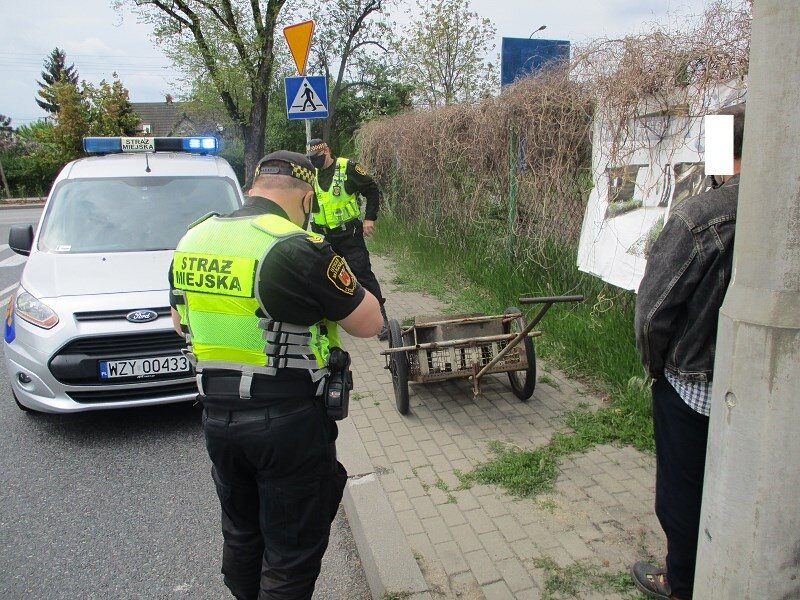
{"type": "Point", "coordinates": [99, 41]}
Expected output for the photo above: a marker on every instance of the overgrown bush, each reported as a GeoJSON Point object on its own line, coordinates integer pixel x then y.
{"type": "Point", "coordinates": [519, 165]}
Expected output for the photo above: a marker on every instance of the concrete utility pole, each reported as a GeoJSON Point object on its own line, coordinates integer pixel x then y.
{"type": "Point", "coordinates": [749, 543]}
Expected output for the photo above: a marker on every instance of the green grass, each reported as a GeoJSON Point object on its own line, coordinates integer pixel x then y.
{"type": "Point", "coordinates": [396, 595]}
{"type": "Point", "coordinates": [592, 341]}
{"type": "Point", "coordinates": [573, 581]}
{"type": "Point", "coordinates": [547, 504]}
{"type": "Point", "coordinates": [549, 381]}
{"type": "Point", "coordinates": [472, 273]}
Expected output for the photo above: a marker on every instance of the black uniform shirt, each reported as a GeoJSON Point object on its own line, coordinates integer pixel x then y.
{"type": "Point", "coordinates": [358, 182]}
{"type": "Point", "coordinates": [301, 281]}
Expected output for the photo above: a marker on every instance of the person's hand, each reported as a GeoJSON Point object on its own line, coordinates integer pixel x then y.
{"type": "Point", "coordinates": [369, 228]}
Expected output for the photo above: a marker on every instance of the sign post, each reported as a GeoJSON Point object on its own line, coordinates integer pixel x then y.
{"type": "Point", "coordinates": [308, 94]}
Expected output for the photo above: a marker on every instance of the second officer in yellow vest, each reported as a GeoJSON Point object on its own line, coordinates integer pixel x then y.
{"type": "Point", "coordinates": [258, 299]}
{"type": "Point", "coordinates": [339, 183]}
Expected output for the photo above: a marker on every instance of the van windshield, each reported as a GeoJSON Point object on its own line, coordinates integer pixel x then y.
{"type": "Point", "coordinates": [130, 214]}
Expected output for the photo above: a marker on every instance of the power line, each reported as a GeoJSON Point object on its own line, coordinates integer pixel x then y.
{"type": "Point", "coordinates": [44, 56]}
{"type": "Point", "coordinates": [109, 71]}
{"type": "Point", "coordinates": [92, 65]}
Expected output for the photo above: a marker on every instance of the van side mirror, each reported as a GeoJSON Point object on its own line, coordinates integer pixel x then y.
{"type": "Point", "coordinates": [20, 239]}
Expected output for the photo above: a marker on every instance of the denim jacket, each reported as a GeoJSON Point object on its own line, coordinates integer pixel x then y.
{"type": "Point", "coordinates": [688, 271]}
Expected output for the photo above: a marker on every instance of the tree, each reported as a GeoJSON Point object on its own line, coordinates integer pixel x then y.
{"type": "Point", "coordinates": [383, 96]}
{"type": "Point", "coordinates": [109, 109]}
{"type": "Point", "coordinates": [72, 120]}
{"type": "Point", "coordinates": [6, 133]}
{"type": "Point", "coordinates": [55, 70]}
{"type": "Point", "coordinates": [6, 142]}
{"type": "Point", "coordinates": [346, 33]}
{"type": "Point", "coordinates": [223, 39]}
{"type": "Point", "coordinates": [102, 110]}
{"type": "Point", "coordinates": [444, 53]}
{"type": "Point", "coordinates": [33, 160]}
{"type": "Point", "coordinates": [204, 101]}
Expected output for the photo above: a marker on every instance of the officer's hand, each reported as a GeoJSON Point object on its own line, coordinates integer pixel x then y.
{"type": "Point", "coordinates": [369, 228]}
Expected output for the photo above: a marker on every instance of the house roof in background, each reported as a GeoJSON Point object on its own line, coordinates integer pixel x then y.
{"type": "Point", "coordinates": [163, 117]}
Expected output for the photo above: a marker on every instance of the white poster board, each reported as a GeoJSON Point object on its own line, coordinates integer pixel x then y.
{"type": "Point", "coordinates": [659, 163]}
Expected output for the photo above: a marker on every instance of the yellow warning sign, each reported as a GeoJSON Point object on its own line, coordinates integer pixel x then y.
{"type": "Point", "coordinates": [298, 36]}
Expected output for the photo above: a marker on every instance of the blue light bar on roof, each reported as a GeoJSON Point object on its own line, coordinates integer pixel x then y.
{"type": "Point", "coordinates": [200, 144]}
{"type": "Point", "coordinates": [112, 145]}
{"type": "Point", "coordinates": [100, 145]}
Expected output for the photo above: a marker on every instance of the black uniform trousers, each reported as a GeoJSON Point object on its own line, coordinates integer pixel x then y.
{"type": "Point", "coordinates": [350, 245]}
{"type": "Point", "coordinates": [279, 486]}
{"type": "Point", "coordinates": [681, 435]}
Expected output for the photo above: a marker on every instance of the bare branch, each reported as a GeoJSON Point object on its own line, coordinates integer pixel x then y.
{"type": "Point", "coordinates": [368, 43]}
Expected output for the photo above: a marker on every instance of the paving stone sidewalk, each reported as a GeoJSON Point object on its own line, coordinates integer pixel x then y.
{"type": "Point", "coordinates": [479, 542]}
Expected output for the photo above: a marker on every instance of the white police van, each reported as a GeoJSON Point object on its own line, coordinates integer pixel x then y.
{"type": "Point", "coordinates": [89, 326]}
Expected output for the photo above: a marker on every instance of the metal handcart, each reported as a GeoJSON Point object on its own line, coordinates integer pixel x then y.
{"type": "Point", "coordinates": [467, 347]}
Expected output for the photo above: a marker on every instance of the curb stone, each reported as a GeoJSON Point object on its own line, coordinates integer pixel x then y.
{"type": "Point", "coordinates": [21, 202]}
{"type": "Point", "coordinates": [388, 561]}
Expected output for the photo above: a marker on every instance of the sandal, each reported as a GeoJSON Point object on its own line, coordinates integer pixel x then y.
{"type": "Point", "coordinates": [651, 580]}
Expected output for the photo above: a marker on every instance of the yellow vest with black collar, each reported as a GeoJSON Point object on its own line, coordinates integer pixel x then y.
{"type": "Point", "coordinates": [336, 208]}
{"type": "Point", "coordinates": [216, 270]}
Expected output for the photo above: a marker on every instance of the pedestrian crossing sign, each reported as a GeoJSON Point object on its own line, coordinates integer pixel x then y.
{"type": "Point", "coordinates": [307, 97]}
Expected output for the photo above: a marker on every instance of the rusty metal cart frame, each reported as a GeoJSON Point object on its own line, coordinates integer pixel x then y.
{"type": "Point", "coordinates": [441, 348]}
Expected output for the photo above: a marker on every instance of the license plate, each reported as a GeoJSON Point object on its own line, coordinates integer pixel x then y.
{"type": "Point", "coordinates": [144, 368]}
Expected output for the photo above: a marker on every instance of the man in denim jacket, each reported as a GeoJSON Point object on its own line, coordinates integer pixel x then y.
{"type": "Point", "coordinates": [677, 308]}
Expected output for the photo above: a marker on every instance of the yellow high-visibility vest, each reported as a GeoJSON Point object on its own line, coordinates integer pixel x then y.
{"type": "Point", "coordinates": [336, 208]}
{"type": "Point", "coordinates": [216, 269]}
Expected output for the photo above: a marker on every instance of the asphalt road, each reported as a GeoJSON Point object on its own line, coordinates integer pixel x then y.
{"type": "Point", "coordinates": [117, 504]}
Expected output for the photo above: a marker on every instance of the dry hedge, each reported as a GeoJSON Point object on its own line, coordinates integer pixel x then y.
{"type": "Point", "coordinates": [519, 164]}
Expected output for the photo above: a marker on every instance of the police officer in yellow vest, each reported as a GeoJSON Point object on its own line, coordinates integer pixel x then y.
{"type": "Point", "coordinates": [259, 300]}
{"type": "Point", "coordinates": [339, 183]}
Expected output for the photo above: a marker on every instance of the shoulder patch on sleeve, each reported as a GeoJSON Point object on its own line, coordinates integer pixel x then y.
{"type": "Point", "coordinates": [315, 238]}
{"type": "Point", "coordinates": [360, 169]}
{"type": "Point", "coordinates": [341, 276]}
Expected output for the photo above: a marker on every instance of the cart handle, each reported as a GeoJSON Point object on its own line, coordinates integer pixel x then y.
{"type": "Point", "coordinates": [548, 301]}
{"type": "Point", "coordinates": [477, 319]}
{"type": "Point", "coordinates": [551, 299]}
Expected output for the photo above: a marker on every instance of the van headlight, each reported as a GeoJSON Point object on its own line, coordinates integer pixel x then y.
{"type": "Point", "coordinates": [34, 311]}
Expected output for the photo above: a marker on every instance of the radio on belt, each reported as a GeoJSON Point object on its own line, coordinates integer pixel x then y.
{"type": "Point", "coordinates": [338, 384]}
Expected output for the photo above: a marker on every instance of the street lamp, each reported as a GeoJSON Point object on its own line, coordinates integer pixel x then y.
{"type": "Point", "coordinates": [537, 31]}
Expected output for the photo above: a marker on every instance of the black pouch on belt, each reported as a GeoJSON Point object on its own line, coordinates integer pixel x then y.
{"type": "Point", "coordinates": [338, 384]}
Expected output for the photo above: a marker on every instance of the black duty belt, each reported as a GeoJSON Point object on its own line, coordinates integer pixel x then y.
{"type": "Point", "coordinates": [262, 388]}
{"type": "Point", "coordinates": [344, 227]}
{"type": "Point", "coordinates": [283, 408]}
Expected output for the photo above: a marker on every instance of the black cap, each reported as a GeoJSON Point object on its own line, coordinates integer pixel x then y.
{"type": "Point", "coordinates": [316, 146]}
{"type": "Point", "coordinates": [298, 167]}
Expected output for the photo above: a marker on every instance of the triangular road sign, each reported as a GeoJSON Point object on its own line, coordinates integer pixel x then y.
{"type": "Point", "coordinates": [298, 36]}
{"type": "Point", "coordinates": [306, 97]}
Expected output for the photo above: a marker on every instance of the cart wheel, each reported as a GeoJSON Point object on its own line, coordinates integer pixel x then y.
{"type": "Point", "coordinates": [398, 366]}
{"type": "Point", "coordinates": [522, 382]}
